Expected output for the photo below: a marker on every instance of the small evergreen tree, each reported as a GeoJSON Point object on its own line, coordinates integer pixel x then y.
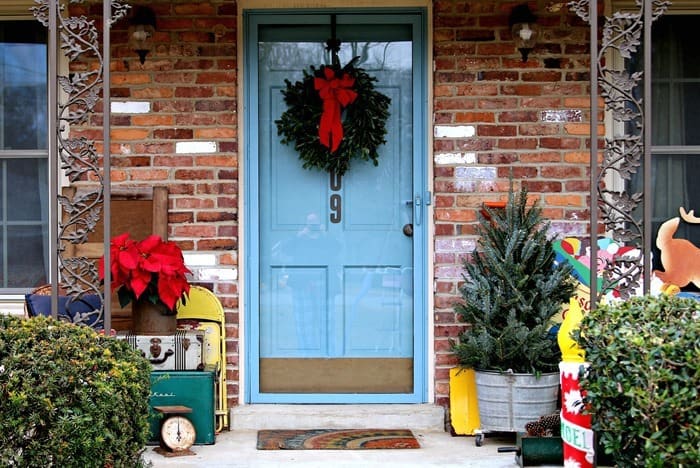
{"type": "Point", "coordinates": [512, 289]}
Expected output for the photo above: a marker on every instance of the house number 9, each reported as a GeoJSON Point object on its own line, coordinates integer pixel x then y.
{"type": "Point", "coordinates": [336, 200]}
{"type": "Point", "coordinates": [336, 210]}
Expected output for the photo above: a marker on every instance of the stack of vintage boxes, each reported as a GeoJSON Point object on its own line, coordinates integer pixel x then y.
{"type": "Point", "coordinates": [180, 376]}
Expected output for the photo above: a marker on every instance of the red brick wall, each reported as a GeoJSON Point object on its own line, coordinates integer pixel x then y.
{"type": "Point", "coordinates": [190, 81]}
{"type": "Point", "coordinates": [531, 118]}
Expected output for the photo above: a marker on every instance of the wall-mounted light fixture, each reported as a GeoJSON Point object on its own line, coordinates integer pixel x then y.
{"type": "Point", "coordinates": [524, 29]}
{"type": "Point", "coordinates": [141, 30]}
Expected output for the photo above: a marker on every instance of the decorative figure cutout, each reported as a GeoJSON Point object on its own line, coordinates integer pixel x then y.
{"type": "Point", "coordinates": [680, 257]}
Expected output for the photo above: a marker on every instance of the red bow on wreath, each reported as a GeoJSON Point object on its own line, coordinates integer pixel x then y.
{"type": "Point", "coordinates": [335, 93]}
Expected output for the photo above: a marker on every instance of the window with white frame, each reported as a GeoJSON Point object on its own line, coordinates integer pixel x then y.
{"type": "Point", "coordinates": [675, 119]}
{"type": "Point", "coordinates": [24, 203]}
{"type": "Point", "coordinates": [675, 122]}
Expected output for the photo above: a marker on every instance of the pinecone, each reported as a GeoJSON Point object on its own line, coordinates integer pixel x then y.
{"type": "Point", "coordinates": [546, 426]}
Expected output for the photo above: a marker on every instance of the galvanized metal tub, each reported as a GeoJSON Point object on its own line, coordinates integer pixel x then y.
{"type": "Point", "coordinates": [507, 401]}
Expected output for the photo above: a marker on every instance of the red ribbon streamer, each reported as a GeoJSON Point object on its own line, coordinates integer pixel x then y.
{"type": "Point", "coordinates": [336, 93]}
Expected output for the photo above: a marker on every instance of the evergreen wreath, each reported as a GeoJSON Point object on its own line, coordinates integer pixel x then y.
{"type": "Point", "coordinates": [363, 118]}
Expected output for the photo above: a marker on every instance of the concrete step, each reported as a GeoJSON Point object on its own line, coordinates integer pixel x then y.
{"type": "Point", "coordinates": [424, 417]}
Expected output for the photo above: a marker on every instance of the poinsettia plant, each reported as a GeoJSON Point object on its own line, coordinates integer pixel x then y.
{"type": "Point", "coordinates": [152, 268]}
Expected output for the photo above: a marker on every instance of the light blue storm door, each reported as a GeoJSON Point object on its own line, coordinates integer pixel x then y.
{"type": "Point", "coordinates": [336, 265]}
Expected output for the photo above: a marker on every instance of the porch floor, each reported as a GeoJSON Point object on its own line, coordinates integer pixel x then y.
{"type": "Point", "coordinates": [236, 448]}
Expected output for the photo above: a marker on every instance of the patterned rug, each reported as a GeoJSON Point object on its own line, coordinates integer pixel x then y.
{"type": "Point", "coordinates": [336, 439]}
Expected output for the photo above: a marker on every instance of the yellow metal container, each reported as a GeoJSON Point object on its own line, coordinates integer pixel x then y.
{"type": "Point", "coordinates": [464, 409]}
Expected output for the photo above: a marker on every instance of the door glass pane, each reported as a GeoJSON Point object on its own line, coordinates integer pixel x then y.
{"type": "Point", "coordinates": [336, 271]}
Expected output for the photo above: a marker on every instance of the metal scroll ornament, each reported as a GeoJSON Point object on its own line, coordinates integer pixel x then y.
{"type": "Point", "coordinates": [622, 211]}
{"type": "Point", "coordinates": [78, 37]}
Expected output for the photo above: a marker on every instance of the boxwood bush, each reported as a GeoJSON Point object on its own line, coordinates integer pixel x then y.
{"type": "Point", "coordinates": [70, 397]}
{"type": "Point", "coordinates": [643, 383]}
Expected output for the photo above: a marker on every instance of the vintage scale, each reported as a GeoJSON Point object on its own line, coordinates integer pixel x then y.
{"type": "Point", "coordinates": [177, 433]}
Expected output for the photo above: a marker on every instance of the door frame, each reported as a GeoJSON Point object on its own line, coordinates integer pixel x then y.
{"type": "Point", "coordinates": [251, 19]}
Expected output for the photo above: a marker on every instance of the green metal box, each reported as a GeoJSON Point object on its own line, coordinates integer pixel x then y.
{"type": "Point", "coordinates": [194, 389]}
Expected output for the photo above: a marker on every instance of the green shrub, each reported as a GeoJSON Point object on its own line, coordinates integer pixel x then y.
{"type": "Point", "coordinates": [70, 397]}
{"type": "Point", "coordinates": [643, 383]}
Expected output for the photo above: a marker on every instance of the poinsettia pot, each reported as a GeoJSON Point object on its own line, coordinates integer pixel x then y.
{"type": "Point", "coordinates": [152, 319]}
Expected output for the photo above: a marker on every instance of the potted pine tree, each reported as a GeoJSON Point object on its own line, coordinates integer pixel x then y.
{"type": "Point", "coordinates": [512, 289]}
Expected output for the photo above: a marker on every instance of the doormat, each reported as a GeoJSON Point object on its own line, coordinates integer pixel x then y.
{"type": "Point", "coordinates": [336, 439]}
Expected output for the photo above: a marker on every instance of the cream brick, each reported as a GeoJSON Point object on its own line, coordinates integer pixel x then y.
{"type": "Point", "coordinates": [217, 274]}
{"type": "Point", "coordinates": [452, 131]}
{"type": "Point", "coordinates": [130, 107]}
{"type": "Point", "coordinates": [195, 259]}
{"type": "Point", "coordinates": [191, 147]}
{"type": "Point", "coordinates": [455, 158]}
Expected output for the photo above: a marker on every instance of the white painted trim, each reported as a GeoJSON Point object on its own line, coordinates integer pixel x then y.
{"type": "Point", "coordinates": [12, 305]}
{"type": "Point", "coordinates": [16, 9]}
{"type": "Point", "coordinates": [677, 7]}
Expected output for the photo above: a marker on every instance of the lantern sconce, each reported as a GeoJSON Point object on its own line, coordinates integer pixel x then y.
{"type": "Point", "coordinates": [142, 27]}
{"type": "Point", "coordinates": [524, 29]}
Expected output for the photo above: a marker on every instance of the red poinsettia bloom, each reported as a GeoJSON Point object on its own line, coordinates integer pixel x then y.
{"type": "Point", "coordinates": [124, 258]}
{"type": "Point", "coordinates": [152, 268]}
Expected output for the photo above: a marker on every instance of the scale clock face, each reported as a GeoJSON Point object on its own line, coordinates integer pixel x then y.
{"type": "Point", "coordinates": [177, 433]}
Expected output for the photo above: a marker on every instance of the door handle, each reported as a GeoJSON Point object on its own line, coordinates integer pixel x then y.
{"type": "Point", "coordinates": [418, 209]}
{"type": "Point", "coordinates": [417, 203]}
{"type": "Point", "coordinates": [408, 229]}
